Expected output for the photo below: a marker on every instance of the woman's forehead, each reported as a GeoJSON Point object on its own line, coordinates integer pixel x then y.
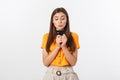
{"type": "Point", "coordinates": [59, 14]}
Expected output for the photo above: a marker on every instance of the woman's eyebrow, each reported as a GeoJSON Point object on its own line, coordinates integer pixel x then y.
{"type": "Point", "coordinates": [63, 16]}
{"type": "Point", "coordinates": [60, 16]}
{"type": "Point", "coordinates": [55, 16]}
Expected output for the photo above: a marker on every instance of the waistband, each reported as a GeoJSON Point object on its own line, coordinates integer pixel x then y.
{"type": "Point", "coordinates": [60, 70]}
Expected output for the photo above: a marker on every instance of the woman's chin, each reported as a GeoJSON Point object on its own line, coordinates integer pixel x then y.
{"type": "Point", "coordinates": [60, 28]}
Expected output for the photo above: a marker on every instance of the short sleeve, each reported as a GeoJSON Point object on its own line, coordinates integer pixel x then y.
{"type": "Point", "coordinates": [76, 39]}
{"type": "Point", "coordinates": [44, 40]}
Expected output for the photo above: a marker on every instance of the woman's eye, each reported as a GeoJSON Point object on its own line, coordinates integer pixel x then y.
{"type": "Point", "coordinates": [62, 18]}
{"type": "Point", "coordinates": [56, 18]}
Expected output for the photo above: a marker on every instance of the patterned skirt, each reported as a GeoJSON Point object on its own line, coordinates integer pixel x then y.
{"type": "Point", "coordinates": [60, 73]}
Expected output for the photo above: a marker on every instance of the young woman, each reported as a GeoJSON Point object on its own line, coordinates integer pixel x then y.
{"type": "Point", "coordinates": [60, 48]}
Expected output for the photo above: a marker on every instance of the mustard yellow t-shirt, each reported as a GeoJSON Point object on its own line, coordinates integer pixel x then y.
{"type": "Point", "coordinates": [60, 59]}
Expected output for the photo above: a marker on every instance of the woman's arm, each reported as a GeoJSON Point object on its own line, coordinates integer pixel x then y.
{"type": "Point", "coordinates": [71, 58]}
{"type": "Point", "coordinates": [48, 58]}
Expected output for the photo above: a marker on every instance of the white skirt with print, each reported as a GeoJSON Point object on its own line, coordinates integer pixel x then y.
{"type": "Point", "coordinates": [60, 73]}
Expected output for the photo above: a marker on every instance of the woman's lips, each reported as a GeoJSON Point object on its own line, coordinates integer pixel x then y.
{"type": "Point", "coordinates": [60, 25]}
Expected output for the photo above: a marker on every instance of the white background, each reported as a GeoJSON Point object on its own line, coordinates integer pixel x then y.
{"type": "Point", "coordinates": [23, 23]}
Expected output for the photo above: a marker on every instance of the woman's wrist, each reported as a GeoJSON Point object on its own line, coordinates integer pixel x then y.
{"type": "Point", "coordinates": [58, 47]}
{"type": "Point", "coordinates": [64, 47]}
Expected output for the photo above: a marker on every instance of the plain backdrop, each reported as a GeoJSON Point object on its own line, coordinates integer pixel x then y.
{"type": "Point", "coordinates": [23, 23]}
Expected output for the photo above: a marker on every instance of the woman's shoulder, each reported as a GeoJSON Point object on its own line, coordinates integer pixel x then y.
{"type": "Point", "coordinates": [74, 34]}
{"type": "Point", "coordinates": [76, 39]}
{"type": "Point", "coordinates": [45, 34]}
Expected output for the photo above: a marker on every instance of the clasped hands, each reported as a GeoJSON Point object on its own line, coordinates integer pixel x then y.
{"type": "Point", "coordinates": [61, 40]}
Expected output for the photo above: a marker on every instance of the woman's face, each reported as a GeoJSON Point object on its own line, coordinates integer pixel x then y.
{"type": "Point", "coordinates": [59, 20]}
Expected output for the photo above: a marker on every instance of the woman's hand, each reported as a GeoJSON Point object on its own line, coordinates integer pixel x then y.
{"type": "Point", "coordinates": [59, 40]}
{"type": "Point", "coordinates": [64, 40]}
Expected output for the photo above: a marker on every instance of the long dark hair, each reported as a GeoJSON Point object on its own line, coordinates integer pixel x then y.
{"type": "Point", "coordinates": [52, 31]}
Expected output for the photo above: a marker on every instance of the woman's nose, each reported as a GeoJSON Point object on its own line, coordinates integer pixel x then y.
{"type": "Point", "coordinates": [60, 20]}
